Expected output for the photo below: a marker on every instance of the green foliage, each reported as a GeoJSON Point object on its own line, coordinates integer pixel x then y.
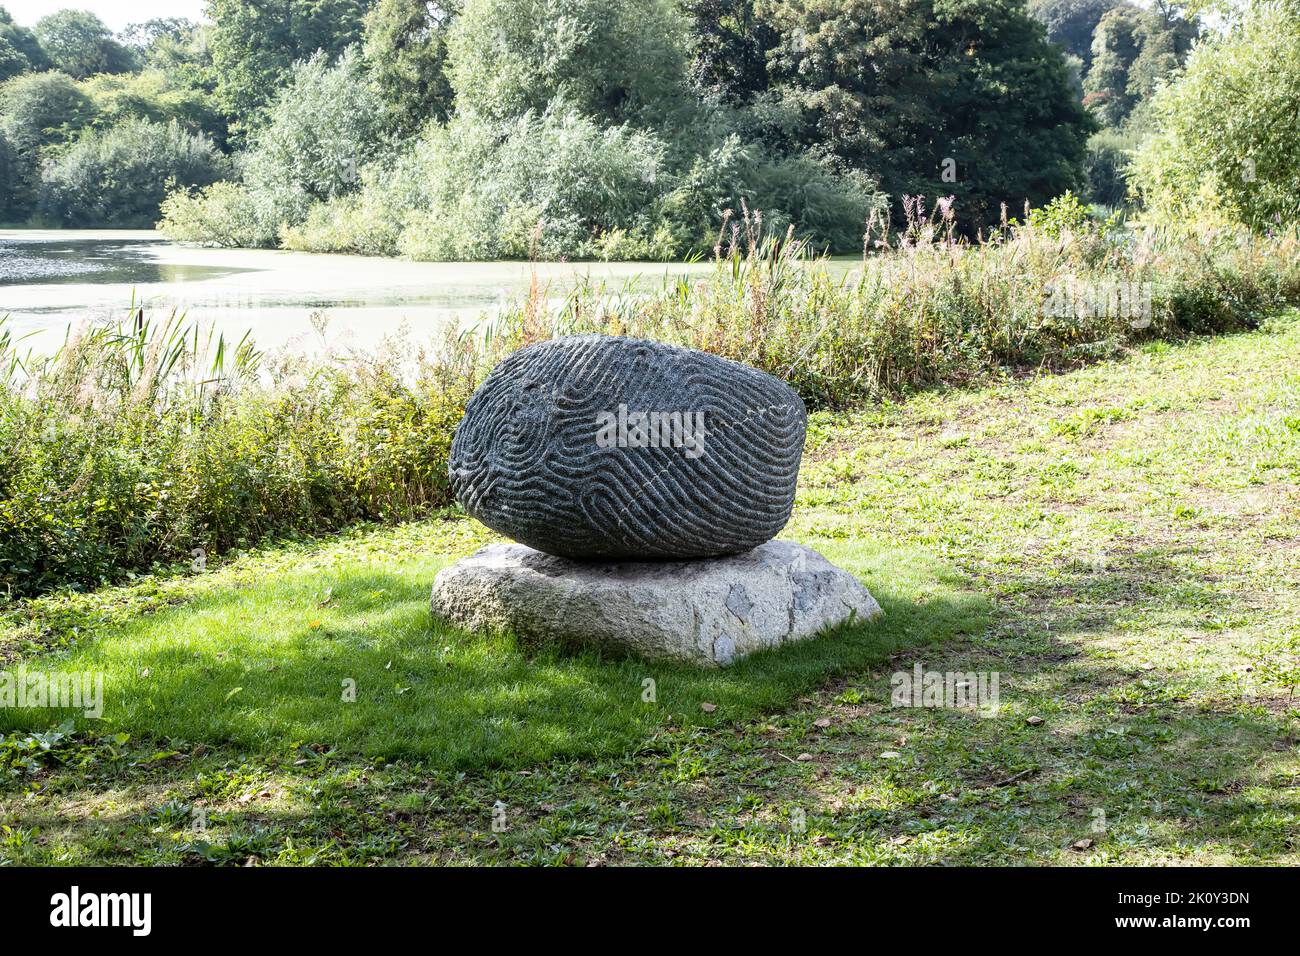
{"type": "Point", "coordinates": [40, 113]}
{"type": "Point", "coordinates": [931, 310]}
{"type": "Point", "coordinates": [9, 182]}
{"type": "Point", "coordinates": [1132, 51]}
{"type": "Point", "coordinates": [585, 113]}
{"type": "Point", "coordinates": [560, 185]}
{"type": "Point", "coordinates": [320, 131]}
{"type": "Point", "coordinates": [618, 60]}
{"type": "Point", "coordinates": [547, 184]}
{"type": "Point", "coordinates": [1227, 145]}
{"type": "Point", "coordinates": [20, 51]}
{"type": "Point", "coordinates": [119, 177]}
{"type": "Point", "coordinates": [1071, 23]}
{"type": "Point", "coordinates": [39, 110]}
{"type": "Point", "coordinates": [905, 89]}
{"type": "Point", "coordinates": [729, 42]}
{"type": "Point", "coordinates": [224, 214]}
{"type": "Point", "coordinates": [1165, 38]}
{"type": "Point", "coordinates": [1109, 154]}
{"type": "Point", "coordinates": [406, 55]}
{"type": "Point", "coordinates": [152, 95]}
{"type": "Point", "coordinates": [78, 43]}
{"type": "Point", "coordinates": [132, 446]}
{"type": "Point", "coordinates": [255, 43]}
{"type": "Point", "coordinates": [1063, 215]}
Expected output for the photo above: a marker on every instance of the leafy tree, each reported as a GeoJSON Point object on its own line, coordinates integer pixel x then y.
{"type": "Point", "coordinates": [1227, 144]}
{"type": "Point", "coordinates": [20, 51]}
{"type": "Point", "coordinates": [320, 131]}
{"type": "Point", "coordinates": [1115, 46]}
{"type": "Point", "coordinates": [152, 95]}
{"type": "Point", "coordinates": [78, 43]}
{"type": "Point", "coordinates": [1071, 23]}
{"type": "Point", "coordinates": [729, 42]}
{"type": "Point", "coordinates": [1133, 50]}
{"type": "Point", "coordinates": [39, 113]}
{"type": "Point", "coordinates": [1165, 37]}
{"type": "Point", "coordinates": [406, 52]}
{"type": "Point", "coordinates": [11, 61]}
{"type": "Point", "coordinates": [255, 43]}
{"type": "Point", "coordinates": [961, 97]}
{"type": "Point", "coordinates": [118, 177]}
{"type": "Point", "coordinates": [620, 60]}
{"type": "Point", "coordinates": [145, 35]}
{"type": "Point", "coordinates": [38, 110]}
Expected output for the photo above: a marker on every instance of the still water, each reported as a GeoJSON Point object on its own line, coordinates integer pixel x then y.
{"type": "Point", "coordinates": [52, 279]}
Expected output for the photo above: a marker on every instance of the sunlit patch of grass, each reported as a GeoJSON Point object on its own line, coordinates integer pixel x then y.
{"type": "Point", "coordinates": [349, 656]}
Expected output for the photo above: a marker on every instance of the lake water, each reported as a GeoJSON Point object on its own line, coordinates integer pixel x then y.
{"type": "Point", "coordinates": [51, 279]}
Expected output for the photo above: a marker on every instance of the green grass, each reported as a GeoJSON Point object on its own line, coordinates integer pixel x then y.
{"type": "Point", "coordinates": [343, 652]}
{"type": "Point", "coordinates": [1135, 527]}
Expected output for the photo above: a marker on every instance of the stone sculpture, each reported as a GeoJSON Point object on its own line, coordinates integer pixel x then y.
{"type": "Point", "coordinates": [602, 447]}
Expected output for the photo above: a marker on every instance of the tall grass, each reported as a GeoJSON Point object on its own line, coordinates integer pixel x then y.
{"type": "Point", "coordinates": [144, 441]}
{"type": "Point", "coordinates": [924, 308]}
{"type": "Point", "coordinates": [149, 441]}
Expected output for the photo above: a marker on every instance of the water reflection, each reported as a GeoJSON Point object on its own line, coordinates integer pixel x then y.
{"type": "Point", "coordinates": [58, 261]}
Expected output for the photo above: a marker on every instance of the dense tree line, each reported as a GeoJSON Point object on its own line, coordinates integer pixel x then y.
{"type": "Point", "coordinates": [630, 127]}
{"type": "Point", "coordinates": [616, 128]}
{"type": "Point", "coordinates": [94, 127]}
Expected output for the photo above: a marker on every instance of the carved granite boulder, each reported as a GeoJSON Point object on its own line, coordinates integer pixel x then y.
{"type": "Point", "coordinates": [598, 447]}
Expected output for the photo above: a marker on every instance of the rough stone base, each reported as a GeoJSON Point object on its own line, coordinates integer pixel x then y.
{"type": "Point", "coordinates": [710, 611]}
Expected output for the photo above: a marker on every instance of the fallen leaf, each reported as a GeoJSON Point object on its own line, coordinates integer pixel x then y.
{"type": "Point", "coordinates": [890, 755]}
{"type": "Point", "coordinates": [708, 708]}
{"type": "Point", "coordinates": [1034, 721]}
{"type": "Point", "coordinates": [1082, 845]}
{"type": "Point", "coordinates": [822, 722]}
{"type": "Point", "coordinates": [804, 756]}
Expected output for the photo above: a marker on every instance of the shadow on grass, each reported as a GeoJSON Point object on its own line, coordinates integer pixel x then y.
{"type": "Point", "coordinates": [353, 660]}
{"type": "Point", "coordinates": [1138, 760]}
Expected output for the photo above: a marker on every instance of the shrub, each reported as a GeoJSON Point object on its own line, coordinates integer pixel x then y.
{"type": "Point", "coordinates": [1063, 215]}
{"type": "Point", "coordinates": [321, 131]}
{"type": "Point", "coordinates": [1106, 166]}
{"type": "Point", "coordinates": [119, 177]}
{"type": "Point", "coordinates": [927, 310]}
{"type": "Point", "coordinates": [128, 448]}
{"type": "Point", "coordinates": [224, 214]}
{"type": "Point", "coordinates": [1227, 145]}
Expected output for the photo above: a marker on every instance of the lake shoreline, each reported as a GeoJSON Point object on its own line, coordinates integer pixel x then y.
{"type": "Point", "coordinates": [278, 295]}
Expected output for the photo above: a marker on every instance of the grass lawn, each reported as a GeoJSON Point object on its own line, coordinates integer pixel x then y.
{"type": "Point", "coordinates": [341, 650]}
{"type": "Point", "coordinates": [1120, 544]}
